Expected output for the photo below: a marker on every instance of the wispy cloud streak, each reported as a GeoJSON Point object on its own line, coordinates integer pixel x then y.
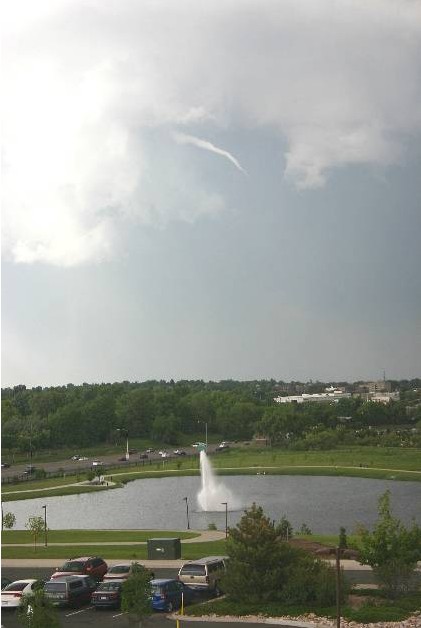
{"type": "Point", "coordinates": [182, 138]}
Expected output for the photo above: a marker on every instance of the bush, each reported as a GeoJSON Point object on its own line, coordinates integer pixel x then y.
{"type": "Point", "coordinates": [310, 580]}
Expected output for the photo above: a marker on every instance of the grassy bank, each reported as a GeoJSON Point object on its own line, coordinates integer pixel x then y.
{"type": "Point", "coordinates": [365, 462]}
{"type": "Point", "coordinates": [95, 536]}
{"type": "Point", "coordinates": [111, 552]}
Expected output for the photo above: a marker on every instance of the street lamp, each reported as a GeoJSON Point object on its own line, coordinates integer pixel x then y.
{"type": "Point", "coordinates": [45, 525]}
{"type": "Point", "coordinates": [226, 518]}
{"type": "Point", "coordinates": [187, 512]}
{"type": "Point", "coordinates": [122, 429]}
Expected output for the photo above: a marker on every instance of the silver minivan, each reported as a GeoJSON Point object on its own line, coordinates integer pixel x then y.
{"type": "Point", "coordinates": [203, 574]}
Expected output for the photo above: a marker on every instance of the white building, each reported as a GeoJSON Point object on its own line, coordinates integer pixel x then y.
{"type": "Point", "coordinates": [331, 394]}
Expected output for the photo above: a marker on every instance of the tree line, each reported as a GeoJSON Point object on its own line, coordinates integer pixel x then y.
{"type": "Point", "coordinates": [39, 418]}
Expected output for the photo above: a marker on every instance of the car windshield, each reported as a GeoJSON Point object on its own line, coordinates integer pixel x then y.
{"type": "Point", "coordinates": [72, 565]}
{"type": "Point", "coordinates": [109, 586]}
{"type": "Point", "coordinates": [193, 570]}
{"type": "Point", "coordinates": [16, 586]}
{"type": "Point", "coordinates": [51, 587]}
{"type": "Point", "coordinates": [120, 569]}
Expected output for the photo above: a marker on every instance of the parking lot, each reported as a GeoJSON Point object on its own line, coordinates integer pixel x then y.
{"type": "Point", "coordinates": [86, 615]}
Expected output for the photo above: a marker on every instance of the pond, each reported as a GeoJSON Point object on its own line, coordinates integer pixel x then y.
{"type": "Point", "coordinates": [323, 503]}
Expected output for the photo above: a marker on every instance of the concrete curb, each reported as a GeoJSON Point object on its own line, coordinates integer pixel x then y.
{"type": "Point", "coordinates": [250, 620]}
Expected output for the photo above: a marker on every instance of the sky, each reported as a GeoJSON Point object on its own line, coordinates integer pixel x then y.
{"type": "Point", "coordinates": [210, 189]}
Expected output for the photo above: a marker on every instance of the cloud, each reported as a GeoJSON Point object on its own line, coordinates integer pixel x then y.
{"type": "Point", "coordinates": [182, 138]}
{"type": "Point", "coordinates": [84, 83]}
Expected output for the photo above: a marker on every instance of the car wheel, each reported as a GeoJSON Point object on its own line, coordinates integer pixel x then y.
{"type": "Point", "coordinates": [170, 607]}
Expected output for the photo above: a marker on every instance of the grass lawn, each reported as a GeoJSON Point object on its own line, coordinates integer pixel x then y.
{"type": "Point", "coordinates": [115, 552]}
{"type": "Point", "coordinates": [376, 609]}
{"type": "Point", "coordinates": [371, 462]}
{"type": "Point", "coordinates": [53, 492]}
{"type": "Point", "coordinates": [95, 536]}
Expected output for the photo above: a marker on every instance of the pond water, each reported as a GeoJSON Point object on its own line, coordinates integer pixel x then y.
{"type": "Point", "coordinates": [323, 503]}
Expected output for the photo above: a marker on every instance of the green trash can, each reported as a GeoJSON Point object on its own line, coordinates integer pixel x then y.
{"type": "Point", "coordinates": [161, 549]}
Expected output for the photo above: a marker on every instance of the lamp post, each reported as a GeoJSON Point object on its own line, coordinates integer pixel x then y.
{"type": "Point", "coordinates": [45, 525]}
{"type": "Point", "coordinates": [122, 429]}
{"type": "Point", "coordinates": [226, 518]}
{"type": "Point", "coordinates": [338, 587]}
{"type": "Point", "coordinates": [187, 512]}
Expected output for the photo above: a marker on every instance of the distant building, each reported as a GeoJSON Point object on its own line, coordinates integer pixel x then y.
{"type": "Point", "coordinates": [374, 387]}
{"type": "Point", "coordinates": [331, 394]}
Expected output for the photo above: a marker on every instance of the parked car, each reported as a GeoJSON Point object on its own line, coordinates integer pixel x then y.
{"type": "Point", "coordinates": [97, 463]}
{"type": "Point", "coordinates": [203, 574]}
{"type": "Point", "coordinates": [70, 590]}
{"type": "Point", "coordinates": [12, 594]}
{"type": "Point", "coordinates": [5, 465]}
{"type": "Point", "coordinates": [121, 571]}
{"type": "Point", "coordinates": [179, 452]}
{"type": "Point", "coordinates": [143, 456]}
{"type": "Point", "coordinates": [75, 457]}
{"type": "Point", "coordinates": [107, 594]}
{"type": "Point", "coordinates": [85, 565]}
{"type": "Point", "coordinates": [82, 458]}
{"type": "Point", "coordinates": [167, 594]}
{"type": "Point", "coordinates": [199, 445]}
{"type": "Point", "coordinates": [222, 446]}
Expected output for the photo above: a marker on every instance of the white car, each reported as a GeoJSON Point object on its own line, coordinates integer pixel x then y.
{"type": "Point", "coordinates": [121, 571]}
{"type": "Point", "coordinates": [82, 458]}
{"type": "Point", "coordinates": [97, 463]}
{"type": "Point", "coordinates": [12, 595]}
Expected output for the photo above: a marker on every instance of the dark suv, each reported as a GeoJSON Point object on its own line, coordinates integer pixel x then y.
{"type": "Point", "coordinates": [85, 565]}
{"type": "Point", "coordinates": [70, 590]}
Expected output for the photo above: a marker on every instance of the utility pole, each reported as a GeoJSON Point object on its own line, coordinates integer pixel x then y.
{"type": "Point", "coordinates": [338, 587]}
{"type": "Point", "coordinates": [45, 526]}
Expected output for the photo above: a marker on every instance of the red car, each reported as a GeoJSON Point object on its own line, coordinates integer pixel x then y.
{"type": "Point", "coordinates": [85, 565]}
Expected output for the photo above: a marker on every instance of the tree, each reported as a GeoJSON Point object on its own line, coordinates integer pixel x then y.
{"type": "Point", "coordinates": [136, 594]}
{"type": "Point", "coordinates": [36, 611]}
{"type": "Point", "coordinates": [9, 520]}
{"type": "Point", "coordinates": [36, 526]}
{"type": "Point", "coordinates": [257, 560]}
{"type": "Point", "coordinates": [262, 567]}
{"type": "Point", "coordinates": [392, 550]}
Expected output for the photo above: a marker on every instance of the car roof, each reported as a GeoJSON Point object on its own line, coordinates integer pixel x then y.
{"type": "Point", "coordinates": [27, 580]}
{"type": "Point", "coordinates": [68, 578]}
{"type": "Point", "coordinates": [205, 560]}
{"type": "Point", "coordinates": [163, 580]}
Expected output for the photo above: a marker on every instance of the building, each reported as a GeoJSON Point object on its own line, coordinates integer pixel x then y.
{"type": "Point", "coordinates": [331, 394]}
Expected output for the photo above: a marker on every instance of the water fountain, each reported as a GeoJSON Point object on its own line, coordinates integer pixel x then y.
{"type": "Point", "coordinates": [214, 493]}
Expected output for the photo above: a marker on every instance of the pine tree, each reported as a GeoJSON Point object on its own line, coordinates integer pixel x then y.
{"type": "Point", "coordinates": [257, 559]}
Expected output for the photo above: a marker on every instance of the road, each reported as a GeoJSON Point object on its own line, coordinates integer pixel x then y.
{"type": "Point", "coordinates": [72, 466]}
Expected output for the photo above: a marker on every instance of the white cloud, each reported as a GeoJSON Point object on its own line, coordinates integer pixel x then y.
{"type": "Point", "coordinates": [339, 81]}
{"type": "Point", "coordinates": [182, 138]}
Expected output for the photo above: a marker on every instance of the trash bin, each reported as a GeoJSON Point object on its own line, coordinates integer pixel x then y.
{"type": "Point", "coordinates": [159, 549]}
